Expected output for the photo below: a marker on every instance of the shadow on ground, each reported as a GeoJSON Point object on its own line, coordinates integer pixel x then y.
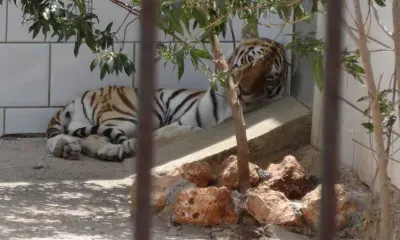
{"type": "Point", "coordinates": [42, 197]}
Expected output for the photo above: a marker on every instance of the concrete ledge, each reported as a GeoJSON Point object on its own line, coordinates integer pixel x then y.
{"type": "Point", "coordinates": [286, 123]}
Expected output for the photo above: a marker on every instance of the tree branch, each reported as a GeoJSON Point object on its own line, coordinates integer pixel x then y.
{"type": "Point", "coordinates": [378, 130]}
{"type": "Point", "coordinates": [378, 20]}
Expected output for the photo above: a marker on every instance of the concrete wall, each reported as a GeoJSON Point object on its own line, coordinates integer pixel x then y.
{"type": "Point", "coordinates": [38, 77]}
{"type": "Point", "coordinates": [302, 86]}
{"type": "Point", "coordinates": [356, 143]}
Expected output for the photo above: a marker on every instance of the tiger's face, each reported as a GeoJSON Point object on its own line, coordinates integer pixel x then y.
{"type": "Point", "coordinates": [251, 80]}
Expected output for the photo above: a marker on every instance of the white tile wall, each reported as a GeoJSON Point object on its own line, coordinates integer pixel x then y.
{"type": "Point", "coordinates": [24, 74]}
{"type": "Point", "coordinates": [71, 76]}
{"type": "Point", "coordinates": [3, 21]}
{"type": "Point", "coordinates": [168, 77]}
{"type": "Point", "coordinates": [1, 121]}
{"type": "Point", "coordinates": [28, 120]}
{"type": "Point", "coordinates": [347, 146]}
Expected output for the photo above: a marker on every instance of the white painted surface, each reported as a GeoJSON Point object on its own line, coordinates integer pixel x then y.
{"type": "Point", "coordinates": [1, 120]}
{"type": "Point", "coordinates": [24, 74]}
{"type": "Point", "coordinates": [28, 120]}
{"type": "Point", "coordinates": [71, 76]}
{"type": "Point", "coordinates": [356, 143]}
{"type": "Point", "coordinates": [3, 22]}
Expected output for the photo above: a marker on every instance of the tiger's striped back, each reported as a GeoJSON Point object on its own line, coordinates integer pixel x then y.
{"type": "Point", "coordinates": [260, 67]}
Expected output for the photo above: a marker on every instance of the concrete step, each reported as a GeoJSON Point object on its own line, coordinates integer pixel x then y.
{"type": "Point", "coordinates": [285, 123]}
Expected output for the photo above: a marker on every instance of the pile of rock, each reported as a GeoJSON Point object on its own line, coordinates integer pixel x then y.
{"type": "Point", "coordinates": [282, 194]}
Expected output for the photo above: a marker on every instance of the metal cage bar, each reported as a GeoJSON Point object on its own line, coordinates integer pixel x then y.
{"type": "Point", "coordinates": [331, 115]}
{"type": "Point", "coordinates": [145, 151]}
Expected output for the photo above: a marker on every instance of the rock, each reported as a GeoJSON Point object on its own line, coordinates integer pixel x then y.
{"type": "Point", "coordinates": [198, 173]}
{"type": "Point", "coordinates": [311, 206]}
{"type": "Point", "coordinates": [159, 190]}
{"type": "Point", "coordinates": [268, 206]}
{"type": "Point", "coordinates": [228, 173]}
{"type": "Point", "coordinates": [289, 178]}
{"type": "Point", "coordinates": [205, 206]}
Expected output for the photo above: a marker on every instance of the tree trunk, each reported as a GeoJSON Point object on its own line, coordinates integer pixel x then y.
{"type": "Point", "coordinates": [396, 41]}
{"type": "Point", "coordinates": [238, 120]}
{"type": "Point", "coordinates": [385, 228]}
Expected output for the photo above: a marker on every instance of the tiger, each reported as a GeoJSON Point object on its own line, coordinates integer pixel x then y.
{"type": "Point", "coordinates": [259, 70]}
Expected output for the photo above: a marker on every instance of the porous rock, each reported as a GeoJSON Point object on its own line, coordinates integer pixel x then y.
{"type": "Point", "coordinates": [289, 178]}
{"type": "Point", "coordinates": [204, 206]}
{"type": "Point", "coordinates": [228, 173]}
{"type": "Point", "coordinates": [198, 173]}
{"type": "Point", "coordinates": [268, 206]}
{"type": "Point", "coordinates": [311, 206]}
{"type": "Point", "coordinates": [159, 190]}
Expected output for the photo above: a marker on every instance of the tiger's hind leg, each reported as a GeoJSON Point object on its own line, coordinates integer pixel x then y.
{"type": "Point", "coordinates": [173, 132]}
{"type": "Point", "coordinates": [117, 152]}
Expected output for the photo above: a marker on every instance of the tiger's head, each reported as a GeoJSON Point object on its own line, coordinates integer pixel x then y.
{"type": "Point", "coordinates": [259, 64]}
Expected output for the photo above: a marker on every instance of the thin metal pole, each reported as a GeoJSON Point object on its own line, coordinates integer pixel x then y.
{"type": "Point", "coordinates": [144, 158]}
{"type": "Point", "coordinates": [331, 120]}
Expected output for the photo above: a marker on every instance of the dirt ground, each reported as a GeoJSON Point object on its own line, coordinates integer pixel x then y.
{"type": "Point", "coordinates": [42, 197]}
{"type": "Point", "coordinates": [364, 223]}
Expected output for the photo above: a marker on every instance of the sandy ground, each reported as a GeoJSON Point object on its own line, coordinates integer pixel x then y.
{"type": "Point", "coordinates": [42, 197]}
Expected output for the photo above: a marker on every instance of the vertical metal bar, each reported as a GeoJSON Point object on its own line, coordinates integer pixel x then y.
{"type": "Point", "coordinates": [331, 120]}
{"type": "Point", "coordinates": [144, 158]}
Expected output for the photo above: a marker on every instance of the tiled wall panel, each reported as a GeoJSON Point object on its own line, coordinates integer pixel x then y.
{"type": "Point", "coordinates": [24, 74]}
{"type": "Point", "coordinates": [71, 76]}
{"type": "Point", "coordinates": [27, 120]}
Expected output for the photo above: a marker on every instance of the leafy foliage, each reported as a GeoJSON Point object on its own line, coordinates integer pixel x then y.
{"type": "Point", "coordinates": [178, 18]}
{"type": "Point", "coordinates": [72, 20]}
{"type": "Point", "coordinates": [191, 23]}
{"type": "Point", "coordinates": [308, 45]}
{"type": "Point", "coordinates": [387, 109]}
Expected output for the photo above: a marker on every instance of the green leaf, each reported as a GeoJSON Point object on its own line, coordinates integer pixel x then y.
{"type": "Point", "coordinates": [94, 64]}
{"type": "Point", "coordinates": [110, 64]}
{"type": "Point", "coordinates": [36, 31]}
{"type": "Point", "coordinates": [201, 53]}
{"type": "Point", "coordinates": [108, 28]}
{"type": "Point", "coordinates": [200, 17]}
{"type": "Point", "coordinates": [118, 65]}
{"type": "Point", "coordinates": [221, 5]}
{"type": "Point", "coordinates": [103, 71]}
{"type": "Point", "coordinates": [362, 99]}
{"type": "Point", "coordinates": [381, 3]}
{"type": "Point", "coordinates": [180, 61]}
{"type": "Point", "coordinates": [318, 71]}
{"type": "Point", "coordinates": [46, 13]}
{"type": "Point", "coordinates": [368, 126]}
{"type": "Point", "coordinates": [76, 48]}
